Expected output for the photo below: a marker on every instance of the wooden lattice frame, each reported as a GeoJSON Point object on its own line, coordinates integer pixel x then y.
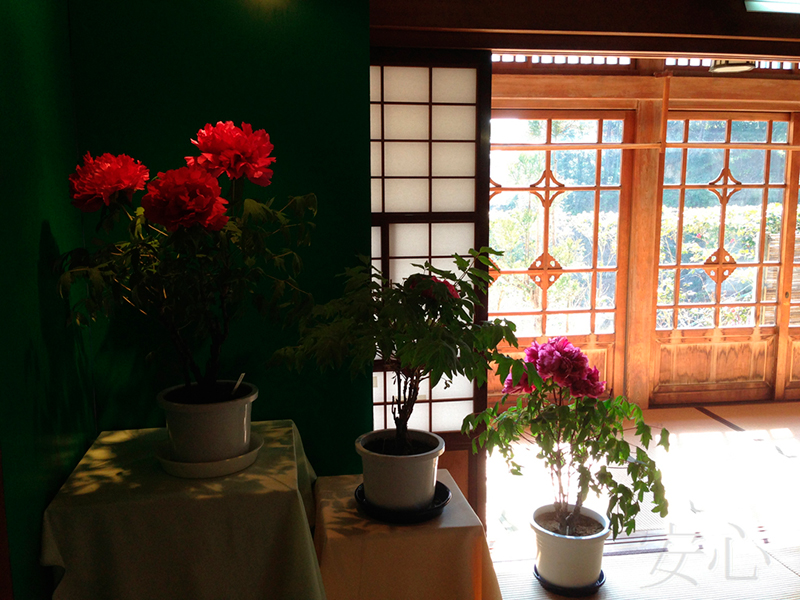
{"type": "Point", "coordinates": [545, 270]}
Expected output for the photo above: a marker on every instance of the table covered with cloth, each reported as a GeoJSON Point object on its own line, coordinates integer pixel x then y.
{"type": "Point", "coordinates": [122, 528]}
{"type": "Point", "coordinates": [446, 558]}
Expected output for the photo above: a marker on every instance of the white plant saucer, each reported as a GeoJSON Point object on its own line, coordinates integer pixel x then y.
{"type": "Point", "coordinates": [217, 468]}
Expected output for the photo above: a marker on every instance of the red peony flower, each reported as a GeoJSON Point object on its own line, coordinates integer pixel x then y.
{"type": "Point", "coordinates": [185, 197]}
{"type": "Point", "coordinates": [427, 289]}
{"type": "Point", "coordinates": [226, 148]}
{"type": "Point", "coordinates": [450, 288]}
{"type": "Point", "coordinates": [101, 180]}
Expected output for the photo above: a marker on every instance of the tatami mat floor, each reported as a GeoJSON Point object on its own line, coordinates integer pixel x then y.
{"type": "Point", "coordinates": [733, 481]}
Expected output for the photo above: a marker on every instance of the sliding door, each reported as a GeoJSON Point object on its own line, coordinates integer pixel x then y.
{"type": "Point", "coordinates": [429, 136]}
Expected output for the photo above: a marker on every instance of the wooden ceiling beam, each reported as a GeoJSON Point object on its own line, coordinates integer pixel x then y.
{"type": "Point", "coordinates": [621, 92]}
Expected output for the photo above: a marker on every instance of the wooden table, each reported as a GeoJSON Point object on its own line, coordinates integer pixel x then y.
{"type": "Point", "coordinates": [121, 528]}
{"type": "Point", "coordinates": [364, 559]}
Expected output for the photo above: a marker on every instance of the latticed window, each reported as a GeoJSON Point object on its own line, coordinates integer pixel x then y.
{"type": "Point", "coordinates": [555, 194]}
{"type": "Point", "coordinates": [723, 195]}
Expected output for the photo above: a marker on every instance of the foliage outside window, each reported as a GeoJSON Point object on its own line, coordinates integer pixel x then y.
{"type": "Point", "coordinates": [722, 207]}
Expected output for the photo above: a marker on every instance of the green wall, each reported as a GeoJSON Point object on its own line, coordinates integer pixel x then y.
{"type": "Point", "coordinates": [46, 416]}
{"type": "Point", "coordinates": [141, 78]}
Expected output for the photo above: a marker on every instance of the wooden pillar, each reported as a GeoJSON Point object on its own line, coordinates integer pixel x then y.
{"type": "Point", "coordinates": [783, 370]}
{"type": "Point", "coordinates": [644, 244]}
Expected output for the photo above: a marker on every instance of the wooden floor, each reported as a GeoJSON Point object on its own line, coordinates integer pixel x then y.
{"type": "Point", "coordinates": [733, 482]}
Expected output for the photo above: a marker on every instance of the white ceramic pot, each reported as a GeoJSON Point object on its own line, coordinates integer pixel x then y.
{"type": "Point", "coordinates": [403, 483]}
{"type": "Point", "coordinates": [208, 432]}
{"type": "Point", "coordinates": [566, 561]}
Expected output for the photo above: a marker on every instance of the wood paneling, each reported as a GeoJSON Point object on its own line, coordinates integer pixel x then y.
{"type": "Point", "coordinates": [714, 362]}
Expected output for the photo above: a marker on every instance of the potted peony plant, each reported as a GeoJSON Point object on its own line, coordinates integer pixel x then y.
{"type": "Point", "coordinates": [421, 329]}
{"type": "Point", "coordinates": [190, 259]}
{"type": "Point", "coordinates": [580, 439]}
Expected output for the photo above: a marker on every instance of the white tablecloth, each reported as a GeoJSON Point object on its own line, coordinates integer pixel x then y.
{"type": "Point", "coordinates": [122, 528]}
{"type": "Point", "coordinates": [446, 558]}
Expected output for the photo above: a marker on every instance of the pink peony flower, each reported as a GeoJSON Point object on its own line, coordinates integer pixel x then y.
{"type": "Point", "coordinates": [523, 387]}
{"type": "Point", "coordinates": [562, 361]}
{"type": "Point", "coordinates": [185, 197]}
{"type": "Point", "coordinates": [587, 384]}
{"type": "Point", "coordinates": [532, 353]}
{"type": "Point", "coordinates": [236, 151]}
{"type": "Point", "coordinates": [100, 181]}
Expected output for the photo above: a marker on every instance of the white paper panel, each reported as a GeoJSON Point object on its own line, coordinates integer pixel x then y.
{"type": "Point", "coordinates": [375, 196]}
{"type": "Point", "coordinates": [405, 122]}
{"type": "Point", "coordinates": [420, 419]}
{"type": "Point", "coordinates": [377, 386]}
{"type": "Point", "coordinates": [375, 159]}
{"type": "Point", "coordinates": [405, 84]}
{"type": "Point", "coordinates": [375, 84]}
{"type": "Point", "coordinates": [450, 159]}
{"type": "Point", "coordinates": [375, 121]}
{"type": "Point", "coordinates": [446, 264]}
{"type": "Point", "coordinates": [401, 268]}
{"type": "Point", "coordinates": [448, 416]}
{"type": "Point", "coordinates": [376, 242]}
{"type": "Point", "coordinates": [455, 85]}
{"type": "Point", "coordinates": [377, 417]}
{"type": "Point", "coordinates": [408, 239]}
{"type": "Point", "coordinates": [461, 387]}
{"type": "Point", "coordinates": [453, 195]}
{"type": "Point", "coordinates": [406, 158]}
{"type": "Point", "coordinates": [449, 238]}
{"type": "Point", "coordinates": [453, 123]}
{"type": "Point", "coordinates": [406, 195]}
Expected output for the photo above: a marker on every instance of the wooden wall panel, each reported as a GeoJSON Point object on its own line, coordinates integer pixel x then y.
{"type": "Point", "coordinates": [688, 364]}
{"type": "Point", "coordinates": [741, 362]}
{"type": "Point", "coordinates": [457, 462]}
{"type": "Point", "coordinates": [795, 366]}
{"type": "Point", "coordinates": [599, 357]}
{"type": "Point", "coordinates": [714, 362]}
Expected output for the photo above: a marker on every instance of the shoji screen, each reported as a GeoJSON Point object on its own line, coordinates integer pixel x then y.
{"type": "Point", "coordinates": [430, 115]}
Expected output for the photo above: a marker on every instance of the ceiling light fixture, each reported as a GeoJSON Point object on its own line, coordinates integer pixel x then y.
{"type": "Point", "coordinates": [732, 66]}
{"type": "Point", "coordinates": [778, 6]}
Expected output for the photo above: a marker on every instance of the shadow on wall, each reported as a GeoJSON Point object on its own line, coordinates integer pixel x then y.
{"type": "Point", "coordinates": [64, 415]}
